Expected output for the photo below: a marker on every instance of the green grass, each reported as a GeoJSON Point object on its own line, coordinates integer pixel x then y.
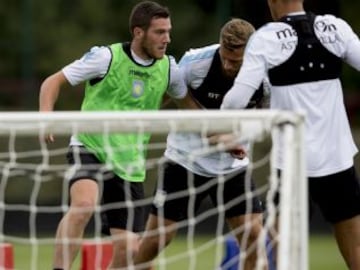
{"type": "Point", "coordinates": [324, 254]}
{"type": "Point", "coordinates": [204, 254]}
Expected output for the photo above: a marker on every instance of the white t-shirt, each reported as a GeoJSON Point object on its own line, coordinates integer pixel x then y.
{"type": "Point", "coordinates": [187, 149]}
{"type": "Point", "coordinates": [328, 141]}
{"type": "Point", "coordinates": [95, 64]}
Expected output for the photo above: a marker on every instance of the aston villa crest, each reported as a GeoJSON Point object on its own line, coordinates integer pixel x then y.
{"type": "Point", "coordinates": [137, 89]}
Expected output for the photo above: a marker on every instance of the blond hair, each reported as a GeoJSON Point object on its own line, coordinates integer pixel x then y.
{"type": "Point", "coordinates": [235, 33]}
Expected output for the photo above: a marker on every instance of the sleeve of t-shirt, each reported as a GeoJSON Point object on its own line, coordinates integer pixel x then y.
{"type": "Point", "coordinates": [195, 65]}
{"type": "Point", "coordinates": [93, 64]}
{"type": "Point", "coordinates": [352, 45]}
{"type": "Point", "coordinates": [177, 87]}
{"type": "Point", "coordinates": [249, 78]}
{"type": "Point", "coordinates": [339, 38]}
{"type": "Point", "coordinates": [185, 68]}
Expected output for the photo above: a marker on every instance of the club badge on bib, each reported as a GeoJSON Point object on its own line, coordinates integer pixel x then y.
{"type": "Point", "coordinates": [137, 89]}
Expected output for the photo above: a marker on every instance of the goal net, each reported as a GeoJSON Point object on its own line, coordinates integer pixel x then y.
{"type": "Point", "coordinates": [34, 187]}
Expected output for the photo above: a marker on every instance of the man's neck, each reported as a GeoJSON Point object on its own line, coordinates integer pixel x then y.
{"type": "Point", "coordinates": [291, 8]}
{"type": "Point", "coordinates": [139, 56]}
{"type": "Point", "coordinates": [140, 60]}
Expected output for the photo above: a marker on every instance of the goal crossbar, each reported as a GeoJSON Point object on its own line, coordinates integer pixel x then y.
{"type": "Point", "coordinates": [244, 121]}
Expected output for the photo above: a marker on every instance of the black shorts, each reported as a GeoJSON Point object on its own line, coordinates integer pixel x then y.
{"type": "Point", "coordinates": [337, 195]}
{"type": "Point", "coordinates": [180, 192]}
{"type": "Point", "coordinates": [117, 193]}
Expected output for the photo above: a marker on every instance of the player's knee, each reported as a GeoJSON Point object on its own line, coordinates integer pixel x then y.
{"type": "Point", "coordinates": [157, 242]}
{"type": "Point", "coordinates": [125, 247]}
{"type": "Point", "coordinates": [126, 242]}
{"type": "Point", "coordinates": [255, 232]}
{"type": "Point", "coordinates": [124, 256]}
{"type": "Point", "coordinates": [152, 242]}
{"type": "Point", "coordinates": [82, 211]}
{"type": "Point", "coordinates": [252, 234]}
{"type": "Point", "coordinates": [256, 229]}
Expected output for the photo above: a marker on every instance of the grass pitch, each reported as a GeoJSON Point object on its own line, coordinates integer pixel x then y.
{"type": "Point", "coordinates": [203, 253]}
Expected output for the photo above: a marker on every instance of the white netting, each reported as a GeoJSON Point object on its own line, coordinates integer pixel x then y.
{"type": "Point", "coordinates": [33, 195]}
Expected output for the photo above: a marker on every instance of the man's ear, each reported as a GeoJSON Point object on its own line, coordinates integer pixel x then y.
{"type": "Point", "coordinates": [138, 32]}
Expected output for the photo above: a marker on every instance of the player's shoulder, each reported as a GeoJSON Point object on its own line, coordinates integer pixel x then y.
{"type": "Point", "coordinates": [330, 23]}
{"type": "Point", "coordinates": [100, 49]}
{"type": "Point", "coordinates": [272, 31]}
{"type": "Point", "coordinates": [328, 19]}
{"type": "Point", "coordinates": [199, 54]}
{"type": "Point", "coordinates": [97, 52]}
{"type": "Point", "coordinates": [172, 61]}
{"type": "Point", "coordinates": [202, 51]}
{"type": "Point", "coordinates": [333, 32]}
{"type": "Point", "coordinates": [272, 34]}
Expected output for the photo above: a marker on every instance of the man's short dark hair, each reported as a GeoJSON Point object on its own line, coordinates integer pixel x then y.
{"type": "Point", "coordinates": [142, 14]}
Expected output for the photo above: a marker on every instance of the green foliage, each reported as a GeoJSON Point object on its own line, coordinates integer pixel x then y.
{"type": "Point", "coordinates": [40, 37]}
{"type": "Point", "coordinates": [52, 33]}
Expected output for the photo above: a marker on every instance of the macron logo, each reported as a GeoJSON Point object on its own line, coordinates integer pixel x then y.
{"type": "Point", "coordinates": [285, 33]}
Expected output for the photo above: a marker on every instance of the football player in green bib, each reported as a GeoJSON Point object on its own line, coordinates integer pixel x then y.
{"type": "Point", "coordinates": [111, 169]}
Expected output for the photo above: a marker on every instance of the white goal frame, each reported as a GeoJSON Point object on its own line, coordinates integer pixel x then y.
{"type": "Point", "coordinates": [293, 227]}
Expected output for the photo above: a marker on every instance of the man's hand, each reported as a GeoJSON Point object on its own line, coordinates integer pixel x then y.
{"type": "Point", "coordinates": [49, 138]}
{"type": "Point", "coordinates": [230, 144]}
{"type": "Point", "coordinates": [239, 152]}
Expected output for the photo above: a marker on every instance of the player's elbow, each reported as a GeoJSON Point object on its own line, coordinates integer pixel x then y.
{"type": "Point", "coordinates": [49, 91]}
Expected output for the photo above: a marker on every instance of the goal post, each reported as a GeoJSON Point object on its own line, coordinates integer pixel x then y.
{"type": "Point", "coordinates": [250, 125]}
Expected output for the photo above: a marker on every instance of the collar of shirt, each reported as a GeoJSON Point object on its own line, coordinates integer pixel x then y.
{"type": "Point", "coordinates": [141, 61]}
{"type": "Point", "coordinates": [296, 13]}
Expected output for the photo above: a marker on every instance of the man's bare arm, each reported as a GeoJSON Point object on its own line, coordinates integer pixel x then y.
{"type": "Point", "coordinates": [49, 92]}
